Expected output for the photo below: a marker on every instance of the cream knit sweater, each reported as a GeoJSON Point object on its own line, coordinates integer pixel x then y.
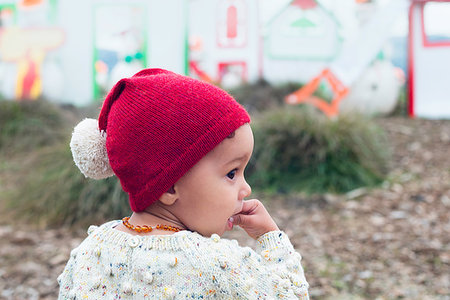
{"type": "Point", "coordinates": [111, 264]}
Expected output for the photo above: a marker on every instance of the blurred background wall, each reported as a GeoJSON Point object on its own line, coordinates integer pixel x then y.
{"type": "Point", "coordinates": [74, 51]}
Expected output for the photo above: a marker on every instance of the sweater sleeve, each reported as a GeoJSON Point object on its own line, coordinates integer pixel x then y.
{"type": "Point", "coordinates": [274, 271]}
{"type": "Point", "coordinates": [65, 279]}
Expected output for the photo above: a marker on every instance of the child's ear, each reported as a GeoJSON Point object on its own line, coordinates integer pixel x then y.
{"type": "Point", "coordinates": [169, 197]}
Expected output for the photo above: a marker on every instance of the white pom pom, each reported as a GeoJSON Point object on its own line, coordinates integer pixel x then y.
{"type": "Point", "coordinates": [88, 147]}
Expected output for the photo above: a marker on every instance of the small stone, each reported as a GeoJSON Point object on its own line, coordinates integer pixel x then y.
{"type": "Point", "coordinates": [445, 200]}
{"type": "Point", "coordinates": [365, 274]}
{"type": "Point", "coordinates": [356, 193]}
{"type": "Point", "coordinates": [58, 260]}
{"type": "Point", "coordinates": [396, 187]}
{"type": "Point", "coordinates": [30, 268]}
{"type": "Point", "coordinates": [347, 277]}
{"type": "Point", "coordinates": [377, 220]}
{"type": "Point", "coordinates": [22, 239]}
{"type": "Point", "coordinates": [415, 146]}
{"type": "Point", "coordinates": [398, 214]}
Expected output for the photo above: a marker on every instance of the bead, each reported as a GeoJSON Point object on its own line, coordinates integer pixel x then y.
{"type": "Point", "coordinates": [247, 252]}
{"type": "Point", "coordinates": [96, 282]}
{"type": "Point", "coordinates": [91, 229]}
{"type": "Point", "coordinates": [266, 254]}
{"type": "Point", "coordinates": [134, 241]}
{"type": "Point", "coordinates": [222, 263]}
{"type": "Point", "coordinates": [74, 252]}
{"type": "Point", "coordinates": [148, 277]}
{"type": "Point", "coordinates": [249, 283]}
{"type": "Point", "coordinates": [292, 264]}
{"type": "Point", "coordinates": [285, 283]}
{"type": "Point", "coordinates": [169, 293]}
{"type": "Point", "coordinates": [296, 280]}
{"type": "Point", "coordinates": [146, 228]}
{"type": "Point", "coordinates": [97, 251]}
{"type": "Point", "coordinates": [215, 237]}
{"type": "Point", "coordinates": [173, 261]}
{"type": "Point", "coordinates": [127, 288]}
{"type": "Point", "coordinates": [109, 271]}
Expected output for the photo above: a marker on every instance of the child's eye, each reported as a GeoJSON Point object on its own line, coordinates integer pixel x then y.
{"type": "Point", "coordinates": [231, 174]}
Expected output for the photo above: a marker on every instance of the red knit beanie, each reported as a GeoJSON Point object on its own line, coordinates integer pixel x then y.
{"type": "Point", "coordinates": [158, 125]}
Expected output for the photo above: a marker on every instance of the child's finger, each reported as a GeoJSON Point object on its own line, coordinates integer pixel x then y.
{"type": "Point", "coordinates": [249, 206]}
{"type": "Point", "coordinates": [240, 219]}
{"type": "Point", "coordinates": [254, 219]}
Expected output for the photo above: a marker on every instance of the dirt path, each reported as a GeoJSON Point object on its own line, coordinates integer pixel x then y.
{"type": "Point", "coordinates": [392, 242]}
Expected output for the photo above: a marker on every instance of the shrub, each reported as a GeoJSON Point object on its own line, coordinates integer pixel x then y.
{"type": "Point", "coordinates": [54, 192]}
{"type": "Point", "coordinates": [25, 125]}
{"type": "Point", "coordinates": [301, 149]}
{"type": "Point", "coordinates": [40, 182]}
{"type": "Point", "coordinates": [261, 96]}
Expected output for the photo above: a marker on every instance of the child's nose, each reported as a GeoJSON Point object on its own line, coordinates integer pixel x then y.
{"type": "Point", "coordinates": [245, 191]}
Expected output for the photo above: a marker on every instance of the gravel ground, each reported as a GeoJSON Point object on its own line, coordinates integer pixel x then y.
{"type": "Point", "coordinates": [392, 242]}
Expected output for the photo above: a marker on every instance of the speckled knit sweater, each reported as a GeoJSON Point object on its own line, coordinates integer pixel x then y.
{"type": "Point", "coordinates": [111, 264]}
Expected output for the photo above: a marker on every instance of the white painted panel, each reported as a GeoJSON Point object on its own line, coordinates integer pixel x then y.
{"type": "Point", "coordinates": [431, 76]}
{"type": "Point", "coordinates": [167, 27]}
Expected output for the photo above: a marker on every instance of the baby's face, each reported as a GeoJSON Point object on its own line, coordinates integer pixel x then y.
{"type": "Point", "coordinates": [213, 190]}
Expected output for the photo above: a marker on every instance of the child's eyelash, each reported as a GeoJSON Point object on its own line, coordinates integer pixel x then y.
{"type": "Point", "coordinates": [232, 173]}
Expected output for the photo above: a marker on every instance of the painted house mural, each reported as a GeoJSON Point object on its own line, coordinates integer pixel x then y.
{"type": "Point", "coordinates": [224, 44]}
{"type": "Point", "coordinates": [73, 51]}
{"type": "Point", "coordinates": [300, 39]}
{"type": "Point", "coordinates": [28, 42]}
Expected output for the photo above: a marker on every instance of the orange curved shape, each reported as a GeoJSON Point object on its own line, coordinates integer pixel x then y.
{"type": "Point", "coordinates": [201, 74]}
{"type": "Point", "coordinates": [305, 94]}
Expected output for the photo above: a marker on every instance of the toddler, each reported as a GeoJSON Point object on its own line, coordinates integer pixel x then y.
{"type": "Point", "coordinates": [179, 147]}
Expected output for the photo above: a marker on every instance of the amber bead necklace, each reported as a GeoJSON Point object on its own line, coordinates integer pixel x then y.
{"type": "Point", "coordinates": [146, 228]}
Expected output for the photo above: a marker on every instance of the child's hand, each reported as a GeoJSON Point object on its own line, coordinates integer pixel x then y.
{"type": "Point", "coordinates": [254, 219]}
